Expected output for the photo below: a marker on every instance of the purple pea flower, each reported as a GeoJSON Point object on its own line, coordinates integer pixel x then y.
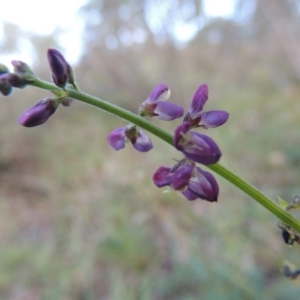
{"type": "Point", "coordinates": [139, 139]}
{"type": "Point", "coordinates": [60, 69]}
{"type": "Point", "coordinates": [191, 180]}
{"type": "Point", "coordinates": [156, 106]}
{"type": "Point", "coordinates": [39, 113]}
{"type": "Point", "coordinates": [209, 119]}
{"type": "Point", "coordinates": [195, 146]}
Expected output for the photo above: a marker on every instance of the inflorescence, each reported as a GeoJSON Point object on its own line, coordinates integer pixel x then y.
{"type": "Point", "coordinates": [185, 175]}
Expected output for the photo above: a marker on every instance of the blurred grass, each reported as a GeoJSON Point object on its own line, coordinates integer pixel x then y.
{"type": "Point", "coordinates": [81, 221]}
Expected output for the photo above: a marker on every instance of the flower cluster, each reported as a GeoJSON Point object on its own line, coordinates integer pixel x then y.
{"type": "Point", "coordinates": [197, 148]}
{"type": "Point", "coordinates": [191, 180]}
{"type": "Point", "coordinates": [185, 176]}
{"type": "Point", "coordinates": [21, 76]}
{"type": "Point", "coordinates": [62, 74]}
{"type": "Point", "coordinates": [154, 106]}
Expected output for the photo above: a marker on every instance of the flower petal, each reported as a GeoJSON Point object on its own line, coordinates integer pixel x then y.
{"type": "Point", "coordinates": [204, 185]}
{"type": "Point", "coordinates": [142, 143]}
{"type": "Point", "coordinates": [213, 118]}
{"type": "Point", "coordinates": [180, 135]}
{"type": "Point", "coordinates": [162, 176]}
{"type": "Point", "coordinates": [189, 194]}
{"type": "Point", "coordinates": [117, 138]}
{"type": "Point", "coordinates": [160, 92]}
{"type": "Point", "coordinates": [168, 111]}
{"type": "Point", "coordinates": [182, 176]}
{"type": "Point", "coordinates": [199, 100]}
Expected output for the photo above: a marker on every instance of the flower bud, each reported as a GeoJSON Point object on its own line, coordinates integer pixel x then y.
{"type": "Point", "coordinates": [59, 67]}
{"type": "Point", "coordinates": [39, 113]}
{"type": "Point", "coordinates": [22, 68]}
{"type": "Point", "coordinates": [14, 80]}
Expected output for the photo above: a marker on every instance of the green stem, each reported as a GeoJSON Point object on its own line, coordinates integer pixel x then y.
{"type": "Point", "coordinates": [243, 185]}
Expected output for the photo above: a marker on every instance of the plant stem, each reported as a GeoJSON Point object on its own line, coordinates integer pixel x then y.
{"type": "Point", "coordinates": [243, 185]}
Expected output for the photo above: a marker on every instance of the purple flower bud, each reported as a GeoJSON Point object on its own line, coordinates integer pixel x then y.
{"type": "Point", "coordinates": [22, 68]}
{"type": "Point", "coordinates": [195, 146]}
{"type": "Point", "coordinates": [14, 80]}
{"type": "Point", "coordinates": [213, 118]}
{"type": "Point", "coordinates": [59, 67]}
{"type": "Point", "coordinates": [138, 138]}
{"type": "Point", "coordinates": [162, 177]}
{"type": "Point", "coordinates": [155, 106]}
{"type": "Point", "coordinates": [39, 113]}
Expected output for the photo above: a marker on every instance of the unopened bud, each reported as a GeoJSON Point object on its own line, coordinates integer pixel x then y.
{"type": "Point", "coordinates": [14, 80]}
{"type": "Point", "coordinates": [59, 67]}
{"type": "Point", "coordinates": [39, 113]}
{"type": "Point", "coordinates": [23, 69]}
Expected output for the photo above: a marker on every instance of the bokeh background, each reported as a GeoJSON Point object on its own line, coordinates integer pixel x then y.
{"type": "Point", "coordinates": [81, 221]}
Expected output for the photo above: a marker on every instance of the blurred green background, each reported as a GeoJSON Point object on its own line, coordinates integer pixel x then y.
{"type": "Point", "coordinates": [81, 221]}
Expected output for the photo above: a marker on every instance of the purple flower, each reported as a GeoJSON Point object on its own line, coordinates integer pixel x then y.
{"type": "Point", "coordinates": [195, 146]}
{"type": "Point", "coordinates": [203, 185]}
{"type": "Point", "coordinates": [137, 137]}
{"type": "Point", "coordinates": [59, 67]}
{"type": "Point", "coordinates": [191, 180]}
{"type": "Point", "coordinates": [39, 113]}
{"type": "Point", "coordinates": [197, 118]}
{"type": "Point", "coordinates": [156, 106]}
